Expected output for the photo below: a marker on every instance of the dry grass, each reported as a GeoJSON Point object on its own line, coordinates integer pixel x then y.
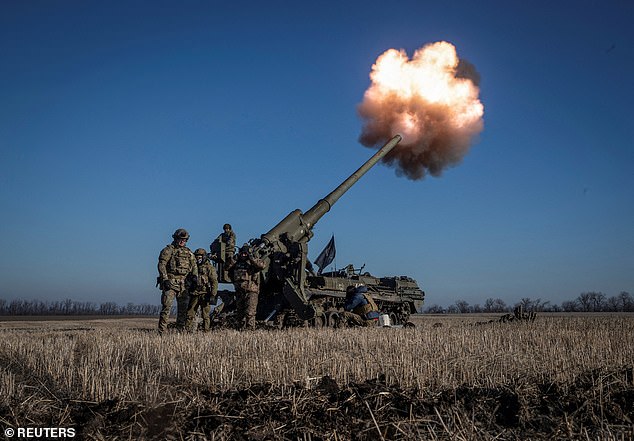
{"type": "Point", "coordinates": [51, 367]}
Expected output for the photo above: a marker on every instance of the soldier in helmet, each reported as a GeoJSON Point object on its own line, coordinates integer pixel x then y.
{"type": "Point", "coordinates": [204, 293]}
{"type": "Point", "coordinates": [222, 249]}
{"type": "Point", "coordinates": [360, 309]}
{"type": "Point", "coordinates": [177, 273]}
{"type": "Point", "coordinates": [245, 273]}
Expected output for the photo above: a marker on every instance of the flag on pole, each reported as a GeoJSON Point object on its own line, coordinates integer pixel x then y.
{"type": "Point", "coordinates": [327, 255]}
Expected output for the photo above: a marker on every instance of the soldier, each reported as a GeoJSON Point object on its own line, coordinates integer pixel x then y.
{"type": "Point", "coordinates": [177, 272]}
{"type": "Point", "coordinates": [204, 293]}
{"type": "Point", "coordinates": [245, 273]}
{"type": "Point", "coordinates": [222, 249]}
{"type": "Point", "coordinates": [360, 309]}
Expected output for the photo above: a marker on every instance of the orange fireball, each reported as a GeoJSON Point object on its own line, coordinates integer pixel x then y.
{"type": "Point", "coordinates": [433, 105]}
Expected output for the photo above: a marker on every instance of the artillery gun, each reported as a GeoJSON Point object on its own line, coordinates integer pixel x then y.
{"type": "Point", "coordinates": [288, 290]}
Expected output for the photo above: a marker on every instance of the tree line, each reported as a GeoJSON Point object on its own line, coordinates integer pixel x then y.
{"type": "Point", "coordinates": [74, 307]}
{"type": "Point", "coordinates": [585, 302]}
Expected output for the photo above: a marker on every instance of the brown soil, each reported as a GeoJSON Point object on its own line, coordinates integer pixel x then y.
{"type": "Point", "coordinates": [598, 404]}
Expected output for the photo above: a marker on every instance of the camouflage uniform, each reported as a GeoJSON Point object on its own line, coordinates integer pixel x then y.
{"type": "Point", "coordinates": [222, 249]}
{"type": "Point", "coordinates": [229, 239]}
{"type": "Point", "coordinates": [360, 309]}
{"type": "Point", "coordinates": [245, 273]}
{"type": "Point", "coordinates": [204, 294]}
{"type": "Point", "coordinates": [177, 267]}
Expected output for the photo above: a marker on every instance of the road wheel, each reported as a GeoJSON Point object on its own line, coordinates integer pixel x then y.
{"type": "Point", "coordinates": [318, 322]}
{"type": "Point", "coordinates": [333, 320]}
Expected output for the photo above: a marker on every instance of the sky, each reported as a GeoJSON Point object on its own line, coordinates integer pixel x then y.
{"type": "Point", "coordinates": [123, 121]}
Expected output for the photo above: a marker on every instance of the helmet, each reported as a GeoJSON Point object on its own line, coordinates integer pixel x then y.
{"type": "Point", "coordinates": [200, 252]}
{"type": "Point", "coordinates": [245, 249]}
{"type": "Point", "coordinates": [181, 233]}
{"type": "Point", "coordinates": [225, 226]}
{"type": "Point", "coordinates": [244, 252]}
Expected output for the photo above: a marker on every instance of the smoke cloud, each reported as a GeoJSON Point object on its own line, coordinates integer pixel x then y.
{"type": "Point", "coordinates": [431, 100]}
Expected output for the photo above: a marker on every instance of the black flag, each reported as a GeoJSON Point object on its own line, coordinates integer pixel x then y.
{"type": "Point", "coordinates": [327, 255]}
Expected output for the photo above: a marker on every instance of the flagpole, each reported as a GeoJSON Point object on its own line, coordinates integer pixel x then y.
{"type": "Point", "coordinates": [335, 259]}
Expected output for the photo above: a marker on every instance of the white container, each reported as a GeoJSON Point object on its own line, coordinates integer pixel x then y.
{"type": "Point", "coordinates": [384, 321]}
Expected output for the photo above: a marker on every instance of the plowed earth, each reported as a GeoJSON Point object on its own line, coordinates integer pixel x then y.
{"type": "Point", "coordinates": [597, 405]}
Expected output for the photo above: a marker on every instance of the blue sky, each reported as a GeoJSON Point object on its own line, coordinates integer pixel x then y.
{"type": "Point", "coordinates": [122, 121]}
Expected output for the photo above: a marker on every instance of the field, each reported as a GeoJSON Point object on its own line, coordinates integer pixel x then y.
{"type": "Point", "coordinates": [560, 377]}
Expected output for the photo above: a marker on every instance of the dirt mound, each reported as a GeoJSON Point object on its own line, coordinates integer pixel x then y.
{"type": "Point", "coordinates": [597, 404]}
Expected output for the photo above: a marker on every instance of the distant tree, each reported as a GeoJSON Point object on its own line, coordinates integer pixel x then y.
{"type": "Point", "coordinates": [16, 307]}
{"type": "Point", "coordinates": [452, 309]}
{"type": "Point", "coordinates": [108, 308]}
{"type": "Point", "coordinates": [585, 301]}
{"type": "Point", "coordinates": [598, 301]}
{"type": "Point", "coordinates": [54, 308]}
{"type": "Point", "coordinates": [626, 301]}
{"type": "Point", "coordinates": [91, 308]}
{"type": "Point", "coordinates": [435, 309]}
{"type": "Point", "coordinates": [495, 305]}
{"type": "Point", "coordinates": [592, 301]}
{"type": "Point", "coordinates": [146, 309]}
{"type": "Point", "coordinates": [570, 306]}
{"type": "Point", "coordinates": [613, 304]}
{"type": "Point", "coordinates": [476, 308]}
{"type": "Point", "coordinates": [552, 307]}
{"type": "Point", "coordinates": [488, 305]}
{"type": "Point", "coordinates": [531, 305]}
{"type": "Point", "coordinates": [540, 305]}
{"type": "Point", "coordinates": [73, 307]}
{"type": "Point", "coordinates": [462, 306]}
{"type": "Point", "coordinates": [38, 307]}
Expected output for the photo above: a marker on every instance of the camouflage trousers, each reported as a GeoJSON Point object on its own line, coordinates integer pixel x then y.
{"type": "Point", "coordinates": [246, 307]}
{"type": "Point", "coordinates": [196, 301]}
{"type": "Point", "coordinates": [182, 301]}
{"type": "Point", "coordinates": [352, 319]}
{"type": "Point", "coordinates": [222, 268]}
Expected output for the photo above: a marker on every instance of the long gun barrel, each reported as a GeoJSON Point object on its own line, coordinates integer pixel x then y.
{"type": "Point", "coordinates": [323, 206]}
{"type": "Point", "coordinates": [296, 225]}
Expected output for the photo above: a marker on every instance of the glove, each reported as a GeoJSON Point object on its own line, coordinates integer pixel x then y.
{"type": "Point", "coordinates": [166, 285]}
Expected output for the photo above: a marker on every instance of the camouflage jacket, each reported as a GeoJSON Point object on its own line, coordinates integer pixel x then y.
{"type": "Point", "coordinates": [246, 274]}
{"type": "Point", "coordinates": [229, 239]}
{"type": "Point", "coordinates": [207, 279]}
{"type": "Point", "coordinates": [176, 263]}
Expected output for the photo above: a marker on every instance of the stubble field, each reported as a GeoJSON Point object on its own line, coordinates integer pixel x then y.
{"type": "Point", "coordinates": [560, 377]}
